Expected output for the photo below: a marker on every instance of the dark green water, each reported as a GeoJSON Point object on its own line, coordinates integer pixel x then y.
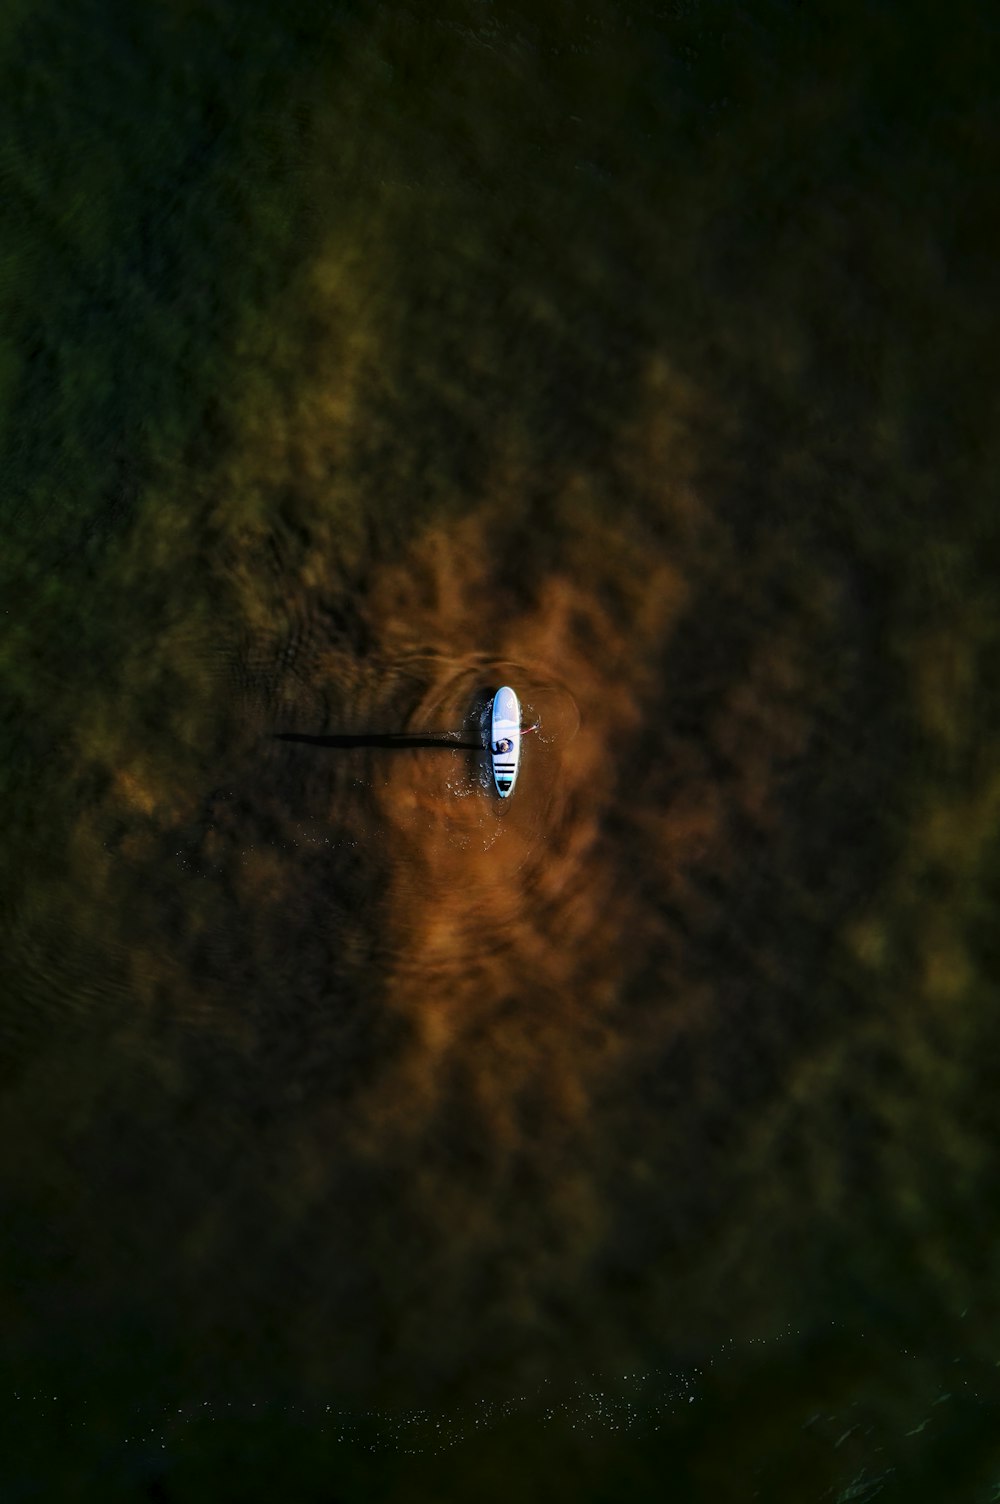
{"type": "Point", "coordinates": [363, 1140]}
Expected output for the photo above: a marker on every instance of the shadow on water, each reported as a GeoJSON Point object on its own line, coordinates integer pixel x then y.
{"type": "Point", "coordinates": [387, 741]}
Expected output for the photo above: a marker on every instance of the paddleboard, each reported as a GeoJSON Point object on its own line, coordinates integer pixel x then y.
{"type": "Point", "coordinates": [505, 740]}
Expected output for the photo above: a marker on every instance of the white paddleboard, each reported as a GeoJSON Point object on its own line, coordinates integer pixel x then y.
{"type": "Point", "coordinates": [505, 740]}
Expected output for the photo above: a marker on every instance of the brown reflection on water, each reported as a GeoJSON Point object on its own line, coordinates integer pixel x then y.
{"type": "Point", "coordinates": [504, 924]}
{"type": "Point", "coordinates": [604, 984]}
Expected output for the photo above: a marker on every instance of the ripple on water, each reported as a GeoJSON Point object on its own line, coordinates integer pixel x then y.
{"type": "Point", "coordinates": [460, 696]}
{"type": "Point", "coordinates": [463, 859]}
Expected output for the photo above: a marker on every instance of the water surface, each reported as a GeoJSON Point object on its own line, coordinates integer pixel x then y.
{"type": "Point", "coordinates": [359, 360]}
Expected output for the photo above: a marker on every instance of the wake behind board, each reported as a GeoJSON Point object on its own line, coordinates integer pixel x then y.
{"type": "Point", "coordinates": [505, 740]}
